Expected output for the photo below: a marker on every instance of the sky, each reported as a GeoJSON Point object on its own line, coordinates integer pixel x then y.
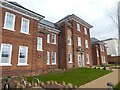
{"type": "Point", "coordinates": [99, 13]}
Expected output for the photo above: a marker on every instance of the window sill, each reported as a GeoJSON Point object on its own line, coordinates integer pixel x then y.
{"type": "Point", "coordinates": [39, 50]}
{"type": "Point", "coordinates": [5, 64]}
{"type": "Point", "coordinates": [54, 64]}
{"type": "Point", "coordinates": [54, 43]}
{"type": "Point", "coordinates": [69, 44]}
{"type": "Point", "coordinates": [9, 29]}
{"type": "Point", "coordinates": [48, 64]}
{"type": "Point", "coordinates": [24, 33]}
{"type": "Point", "coordinates": [88, 63]}
{"type": "Point", "coordinates": [70, 62]}
{"type": "Point", "coordinates": [22, 64]}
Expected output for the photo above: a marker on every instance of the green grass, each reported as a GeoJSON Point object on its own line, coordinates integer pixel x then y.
{"type": "Point", "coordinates": [117, 87]}
{"type": "Point", "coordinates": [77, 76]}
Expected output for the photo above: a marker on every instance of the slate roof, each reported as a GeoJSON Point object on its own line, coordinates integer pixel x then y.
{"type": "Point", "coordinates": [96, 41]}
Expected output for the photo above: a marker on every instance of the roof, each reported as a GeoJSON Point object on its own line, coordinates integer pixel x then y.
{"type": "Point", "coordinates": [18, 5]}
{"type": "Point", "coordinates": [47, 23]}
{"type": "Point", "coordinates": [72, 16]}
{"type": "Point", "coordinates": [96, 41]}
{"type": "Point", "coordinates": [109, 39]}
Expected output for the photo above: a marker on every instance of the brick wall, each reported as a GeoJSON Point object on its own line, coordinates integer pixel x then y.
{"type": "Point", "coordinates": [114, 59]}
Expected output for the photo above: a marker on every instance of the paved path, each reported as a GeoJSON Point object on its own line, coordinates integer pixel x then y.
{"type": "Point", "coordinates": [102, 81]}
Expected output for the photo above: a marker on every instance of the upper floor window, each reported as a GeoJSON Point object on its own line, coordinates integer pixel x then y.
{"type": "Point", "coordinates": [25, 26]}
{"type": "Point", "coordinates": [69, 40]}
{"type": "Point", "coordinates": [86, 43]}
{"type": "Point", "coordinates": [9, 22]}
{"type": "Point", "coordinates": [48, 57]}
{"type": "Point", "coordinates": [78, 27]}
{"type": "Point", "coordinates": [97, 53]}
{"type": "Point", "coordinates": [87, 59]}
{"type": "Point", "coordinates": [5, 54]}
{"type": "Point", "coordinates": [85, 30]}
{"type": "Point", "coordinates": [79, 41]}
{"type": "Point", "coordinates": [53, 38]}
{"type": "Point", "coordinates": [39, 43]}
{"type": "Point", "coordinates": [48, 38]}
{"type": "Point", "coordinates": [102, 47]}
{"type": "Point", "coordinates": [53, 57]}
{"type": "Point", "coordinates": [23, 55]}
{"type": "Point", "coordinates": [70, 57]}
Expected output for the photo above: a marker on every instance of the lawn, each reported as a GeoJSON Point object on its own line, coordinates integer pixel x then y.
{"type": "Point", "coordinates": [76, 77]}
{"type": "Point", "coordinates": [117, 87]}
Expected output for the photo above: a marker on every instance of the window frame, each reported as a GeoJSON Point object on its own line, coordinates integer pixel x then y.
{"type": "Point", "coordinates": [87, 58]}
{"type": "Point", "coordinates": [26, 60]}
{"type": "Point", "coordinates": [10, 57]}
{"type": "Point", "coordinates": [86, 43]}
{"type": "Point", "coordinates": [54, 58]}
{"type": "Point", "coordinates": [48, 38]}
{"type": "Point", "coordinates": [70, 58]}
{"type": "Point", "coordinates": [78, 27]}
{"type": "Point", "coordinates": [48, 58]}
{"type": "Point", "coordinates": [54, 39]}
{"type": "Point", "coordinates": [28, 29]}
{"type": "Point", "coordinates": [85, 30]}
{"type": "Point", "coordinates": [69, 39]}
{"type": "Point", "coordinates": [79, 41]}
{"type": "Point", "coordinates": [41, 48]}
{"type": "Point", "coordinates": [5, 21]}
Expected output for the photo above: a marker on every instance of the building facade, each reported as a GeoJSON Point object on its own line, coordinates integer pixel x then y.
{"type": "Point", "coordinates": [74, 42]}
{"type": "Point", "coordinates": [99, 53]}
{"type": "Point", "coordinates": [32, 45]}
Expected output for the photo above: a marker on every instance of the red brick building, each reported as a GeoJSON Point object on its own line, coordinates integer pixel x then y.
{"type": "Point", "coordinates": [74, 42]}
{"type": "Point", "coordinates": [99, 53]}
{"type": "Point", "coordinates": [32, 45]}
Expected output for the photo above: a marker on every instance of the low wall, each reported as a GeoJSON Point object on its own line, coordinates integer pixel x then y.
{"type": "Point", "coordinates": [113, 59]}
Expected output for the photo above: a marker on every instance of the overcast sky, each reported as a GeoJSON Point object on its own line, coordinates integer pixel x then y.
{"type": "Point", "coordinates": [95, 12]}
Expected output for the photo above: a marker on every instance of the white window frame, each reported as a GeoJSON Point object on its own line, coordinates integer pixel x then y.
{"type": "Point", "coordinates": [27, 25]}
{"type": "Point", "coordinates": [39, 49]}
{"type": "Point", "coordinates": [70, 57]}
{"type": "Point", "coordinates": [87, 59]}
{"type": "Point", "coordinates": [48, 58]}
{"type": "Point", "coordinates": [78, 27]}
{"type": "Point", "coordinates": [86, 43]}
{"type": "Point", "coordinates": [85, 30]}
{"type": "Point", "coordinates": [54, 58]}
{"type": "Point", "coordinates": [26, 60]}
{"type": "Point", "coordinates": [97, 53]}
{"type": "Point", "coordinates": [48, 38]}
{"type": "Point", "coordinates": [6, 64]}
{"type": "Point", "coordinates": [5, 22]}
{"type": "Point", "coordinates": [69, 40]}
{"type": "Point", "coordinates": [79, 41]}
{"type": "Point", "coordinates": [54, 38]}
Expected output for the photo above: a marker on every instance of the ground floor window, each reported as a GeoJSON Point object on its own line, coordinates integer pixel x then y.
{"type": "Point", "coordinates": [70, 57]}
{"type": "Point", "coordinates": [5, 54]}
{"type": "Point", "coordinates": [87, 59]}
{"type": "Point", "coordinates": [23, 55]}
{"type": "Point", "coordinates": [53, 57]}
{"type": "Point", "coordinates": [48, 57]}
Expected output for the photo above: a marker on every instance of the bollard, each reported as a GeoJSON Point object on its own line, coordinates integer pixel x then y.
{"type": "Point", "coordinates": [110, 85]}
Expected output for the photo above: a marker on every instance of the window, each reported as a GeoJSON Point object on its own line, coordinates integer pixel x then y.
{"type": "Point", "coordinates": [86, 43]}
{"type": "Point", "coordinates": [70, 57]}
{"type": "Point", "coordinates": [9, 21]}
{"type": "Point", "coordinates": [48, 57]}
{"type": "Point", "coordinates": [79, 41]}
{"type": "Point", "coordinates": [78, 27]}
{"type": "Point", "coordinates": [25, 26]}
{"type": "Point", "coordinates": [39, 44]}
{"type": "Point", "coordinates": [87, 59]}
{"type": "Point", "coordinates": [103, 59]}
{"type": "Point", "coordinates": [5, 54]}
{"type": "Point", "coordinates": [97, 53]}
{"type": "Point", "coordinates": [48, 38]}
{"type": "Point", "coordinates": [69, 40]}
{"type": "Point", "coordinates": [85, 30]}
{"type": "Point", "coordinates": [53, 57]}
{"type": "Point", "coordinates": [53, 38]}
{"type": "Point", "coordinates": [23, 55]}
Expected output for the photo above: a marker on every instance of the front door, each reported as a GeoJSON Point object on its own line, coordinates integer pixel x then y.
{"type": "Point", "coordinates": [80, 60]}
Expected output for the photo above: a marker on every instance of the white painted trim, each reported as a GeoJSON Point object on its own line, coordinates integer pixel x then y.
{"type": "Point", "coordinates": [54, 38]}
{"type": "Point", "coordinates": [48, 38]}
{"type": "Point", "coordinates": [25, 56]}
{"type": "Point", "coordinates": [79, 41]}
{"type": "Point", "coordinates": [78, 27]}
{"type": "Point", "coordinates": [54, 58]}
{"type": "Point", "coordinates": [9, 62]}
{"type": "Point", "coordinates": [69, 37]}
{"type": "Point", "coordinates": [19, 12]}
{"type": "Point", "coordinates": [48, 58]}
{"type": "Point", "coordinates": [41, 48]}
{"type": "Point", "coordinates": [27, 25]}
{"type": "Point", "coordinates": [13, 24]}
{"type": "Point", "coordinates": [8, 29]}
